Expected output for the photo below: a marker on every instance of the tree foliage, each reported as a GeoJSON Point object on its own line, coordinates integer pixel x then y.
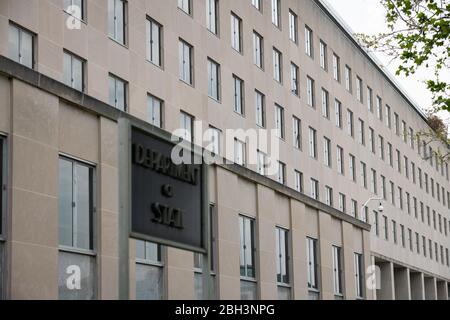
{"type": "Point", "coordinates": [418, 36]}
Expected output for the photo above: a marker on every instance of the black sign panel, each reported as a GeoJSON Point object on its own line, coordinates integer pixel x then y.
{"type": "Point", "coordinates": [167, 198]}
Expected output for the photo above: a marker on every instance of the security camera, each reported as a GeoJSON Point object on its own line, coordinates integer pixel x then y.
{"type": "Point", "coordinates": [380, 208]}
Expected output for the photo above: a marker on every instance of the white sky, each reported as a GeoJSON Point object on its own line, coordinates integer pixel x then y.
{"type": "Point", "coordinates": [368, 16]}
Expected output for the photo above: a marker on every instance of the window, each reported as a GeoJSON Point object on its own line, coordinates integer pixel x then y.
{"type": "Point", "coordinates": [76, 225]}
{"type": "Point", "coordinates": [374, 181]}
{"type": "Point", "coordinates": [258, 57]}
{"type": "Point", "coordinates": [410, 238]}
{"type": "Point", "coordinates": [312, 264]}
{"type": "Point", "coordinates": [281, 173]}
{"type": "Point", "coordinates": [293, 34]}
{"type": "Point", "coordinates": [411, 138]}
{"type": "Point", "coordinates": [354, 208]}
{"type": "Point", "coordinates": [336, 68]}
{"type": "Point", "coordinates": [154, 42]}
{"type": "Point", "coordinates": [413, 172]}
{"type": "Point", "coordinates": [213, 79]}
{"type": "Point", "coordinates": [214, 140]}
{"type": "Point", "coordinates": [379, 109]}
{"type": "Point", "coordinates": [260, 109]}
{"type": "Point", "coordinates": [277, 61]}
{"type": "Point", "coordinates": [309, 45]}
{"type": "Point", "coordinates": [186, 62]}
{"type": "Point", "coordinates": [118, 93]}
{"type": "Point", "coordinates": [405, 133]}
{"type": "Point", "coordinates": [149, 271]}
{"type": "Point", "coordinates": [400, 197]}
{"type": "Point", "coordinates": [327, 151]}
{"type": "Point", "coordinates": [417, 243]}
{"type": "Point", "coordinates": [279, 121]}
{"type": "Point", "coordinates": [342, 203]}
{"type": "Point", "coordinates": [187, 124]}
{"type": "Point", "coordinates": [328, 196]}
{"type": "Point", "coordinates": [257, 4]}
{"type": "Point", "coordinates": [350, 129]}
{"type": "Point", "coordinates": [381, 147]}
{"type": "Point", "coordinates": [238, 87]}
{"type": "Point", "coordinates": [117, 20]}
{"type": "Point", "coordinates": [406, 164]}
{"type": "Point", "coordinates": [392, 192]}
{"type": "Point", "coordinates": [338, 113]}
{"type": "Point", "coordinates": [310, 90]}
{"type": "Point", "coordinates": [236, 33]}
{"type": "Point", "coordinates": [386, 228]}
{"type": "Point", "coordinates": [430, 248]}
{"type": "Point", "coordinates": [261, 163]}
{"type": "Point", "coordinates": [362, 134]}
{"type": "Point", "coordinates": [396, 124]}
{"type": "Point", "coordinates": [212, 16]}
{"type": "Point", "coordinates": [21, 46]}
{"type": "Point", "coordinates": [340, 160]}
{"type": "Point", "coordinates": [299, 181]}
{"type": "Point", "coordinates": [247, 258]}
{"type": "Point", "coordinates": [239, 152]}
{"type": "Point", "coordinates": [363, 175]}
{"type": "Point", "coordinates": [399, 162]}
{"type": "Point", "coordinates": [297, 132]}
{"type": "Point", "coordinates": [383, 187]}
{"type": "Point", "coordinates": [394, 231]}
{"type": "Point", "coordinates": [185, 5]}
{"type": "Point", "coordinates": [79, 4]}
{"type": "Point", "coordinates": [314, 189]}
{"type": "Point", "coordinates": [390, 155]}
{"type": "Point", "coordinates": [74, 71]}
{"type": "Point", "coordinates": [155, 111]}
{"type": "Point", "coordinates": [337, 271]}
{"type": "Point", "coordinates": [312, 143]}
{"type": "Point", "coordinates": [294, 79]}
{"type": "Point", "coordinates": [424, 246]}
{"type": "Point", "coordinates": [325, 104]}
{"type": "Point", "coordinates": [372, 140]}
{"type": "Point", "coordinates": [348, 79]}
{"type": "Point", "coordinates": [387, 111]}
{"type": "Point", "coordinates": [323, 55]}
{"type": "Point", "coordinates": [276, 17]}
{"type": "Point", "coordinates": [402, 235]}
{"type": "Point", "coordinates": [359, 90]}
{"type": "Point", "coordinates": [370, 99]}
{"type": "Point", "coordinates": [352, 167]}
{"type": "Point", "coordinates": [282, 238]}
{"type": "Point", "coordinates": [359, 275]}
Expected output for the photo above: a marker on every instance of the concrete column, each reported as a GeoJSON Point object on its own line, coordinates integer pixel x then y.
{"type": "Point", "coordinates": [348, 261]}
{"type": "Point", "coordinates": [402, 285]}
{"type": "Point", "coordinates": [386, 291]}
{"type": "Point", "coordinates": [298, 225]}
{"type": "Point", "coordinates": [325, 262]}
{"type": "Point", "coordinates": [430, 288]}
{"type": "Point", "coordinates": [417, 285]}
{"type": "Point", "coordinates": [442, 290]}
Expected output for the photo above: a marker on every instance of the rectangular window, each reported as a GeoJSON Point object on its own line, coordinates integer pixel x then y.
{"type": "Point", "coordinates": [348, 79]}
{"type": "Point", "coordinates": [186, 6]}
{"type": "Point", "coordinates": [214, 140]}
{"type": "Point", "coordinates": [76, 226]}
{"type": "Point", "coordinates": [404, 132]}
{"type": "Point", "coordinates": [362, 134]}
{"type": "Point", "coordinates": [310, 90]}
{"type": "Point", "coordinates": [399, 161]}
{"type": "Point", "coordinates": [299, 181]}
{"type": "Point", "coordinates": [363, 175]}
{"type": "Point", "coordinates": [257, 4]}
{"type": "Point", "coordinates": [154, 34]}
{"type": "Point", "coordinates": [187, 124]}
{"type": "Point", "coordinates": [402, 235]}
{"type": "Point", "coordinates": [186, 62]}
{"type": "Point", "coordinates": [396, 124]}
{"type": "Point", "coordinates": [328, 196]}
{"type": "Point", "coordinates": [340, 160]}
{"type": "Point", "coordinates": [282, 238]}
{"type": "Point", "coordinates": [118, 93]}
{"type": "Point", "coordinates": [376, 223]}
{"type": "Point", "coordinates": [247, 258]}
{"type": "Point", "coordinates": [239, 152]}
{"type": "Point", "coordinates": [359, 275]}
{"type": "Point", "coordinates": [386, 228]}
{"type": "Point", "coordinates": [390, 155]}
{"type": "Point", "coordinates": [383, 187]}
{"type": "Point", "coordinates": [379, 108]}
{"type": "Point", "coordinates": [117, 23]}
{"type": "Point", "coordinates": [387, 111]}
{"type": "Point", "coordinates": [381, 147]}
{"type": "Point", "coordinates": [312, 263]}
{"type": "Point", "coordinates": [352, 167]}
{"type": "Point", "coordinates": [297, 132]}
{"type": "Point", "coordinates": [359, 89]}
{"type": "Point", "coordinates": [411, 138]}
{"type": "Point", "coordinates": [261, 163]}
{"type": "Point", "coordinates": [279, 121]}
{"type": "Point", "coordinates": [281, 173]}
{"type": "Point", "coordinates": [369, 99]}
{"type": "Point", "coordinates": [338, 113]}
{"type": "Point", "coordinates": [325, 104]}
{"type": "Point", "coordinates": [276, 10]}
{"type": "Point", "coordinates": [236, 33]}
{"type": "Point", "coordinates": [354, 208]}
{"type": "Point", "coordinates": [312, 143]}
{"type": "Point", "coordinates": [212, 16]}
{"type": "Point", "coordinates": [394, 231]}
{"type": "Point", "coordinates": [155, 111]}
{"type": "Point", "coordinates": [323, 55]}
{"type": "Point", "coordinates": [260, 109]}
{"type": "Point", "coordinates": [410, 238]}
{"type": "Point", "coordinates": [374, 181]}
{"type": "Point", "coordinates": [336, 68]}
{"type": "Point", "coordinates": [337, 271]}
{"type": "Point", "coordinates": [22, 46]}
{"type": "Point", "coordinates": [277, 65]}
{"type": "Point", "coordinates": [294, 79]}
{"type": "Point", "coordinates": [293, 26]}
{"type": "Point", "coordinates": [238, 91]}
{"type": "Point", "coordinates": [342, 203]}
{"type": "Point", "coordinates": [213, 79]}
{"type": "Point", "coordinates": [350, 126]}
{"type": "Point", "coordinates": [258, 57]}
{"type": "Point", "coordinates": [314, 189]}
{"type": "Point", "coordinates": [149, 271]}
{"type": "Point", "coordinates": [74, 71]}
{"type": "Point", "coordinates": [392, 192]}
{"type": "Point", "coordinates": [327, 151]}
{"type": "Point", "coordinates": [372, 140]}
{"type": "Point", "coordinates": [309, 44]}
{"type": "Point", "coordinates": [79, 14]}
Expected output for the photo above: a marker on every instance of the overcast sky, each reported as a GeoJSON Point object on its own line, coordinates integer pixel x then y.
{"type": "Point", "coordinates": [368, 16]}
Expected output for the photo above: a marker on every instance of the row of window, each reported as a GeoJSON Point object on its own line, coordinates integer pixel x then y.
{"type": "Point", "coordinates": [391, 234]}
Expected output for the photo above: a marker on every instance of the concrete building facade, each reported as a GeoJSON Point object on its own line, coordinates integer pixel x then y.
{"type": "Point", "coordinates": [347, 133]}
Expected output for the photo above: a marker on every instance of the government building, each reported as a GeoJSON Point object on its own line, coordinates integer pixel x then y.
{"type": "Point", "coordinates": [359, 206]}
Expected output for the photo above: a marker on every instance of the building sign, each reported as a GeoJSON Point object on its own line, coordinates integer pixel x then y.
{"type": "Point", "coordinates": [167, 199]}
